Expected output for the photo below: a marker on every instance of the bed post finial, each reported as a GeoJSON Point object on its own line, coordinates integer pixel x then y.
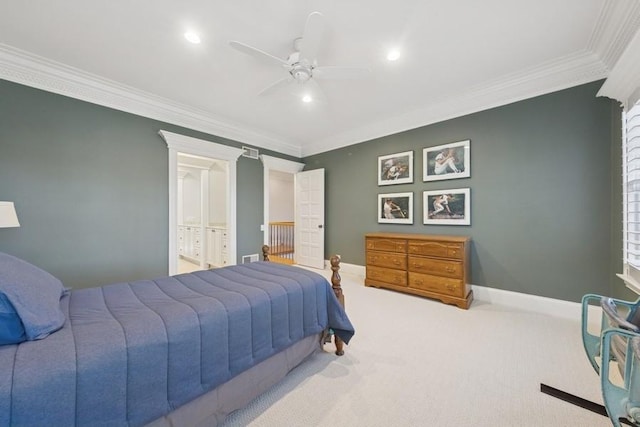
{"type": "Point", "coordinates": [337, 289]}
{"type": "Point", "coordinates": [265, 253]}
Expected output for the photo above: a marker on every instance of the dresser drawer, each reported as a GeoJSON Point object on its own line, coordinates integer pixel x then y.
{"type": "Point", "coordinates": [439, 249]}
{"type": "Point", "coordinates": [438, 267]}
{"type": "Point", "coordinates": [387, 259]}
{"type": "Point", "coordinates": [387, 245]}
{"type": "Point", "coordinates": [441, 285]}
{"type": "Point", "coordinates": [387, 275]}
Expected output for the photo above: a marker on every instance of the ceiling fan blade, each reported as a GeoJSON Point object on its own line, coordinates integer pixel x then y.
{"type": "Point", "coordinates": [275, 86]}
{"type": "Point", "coordinates": [340, 72]}
{"type": "Point", "coordinates": [312, 36]}
{"type": "Point", "coordinates": [256, 53]}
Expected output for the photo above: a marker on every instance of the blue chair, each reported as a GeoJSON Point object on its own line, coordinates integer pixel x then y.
{"type": "Point", "coordinates": [618, 342]}
{"type": "Point", "coordinates": [611, 318]}
{"type": "Point", "coordinates": [622, 403]}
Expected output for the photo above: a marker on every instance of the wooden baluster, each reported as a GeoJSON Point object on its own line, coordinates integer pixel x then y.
{"type": "Point", "coordinates": [337, 289]}
{"type": "Point", "coordinates": [289, 242]}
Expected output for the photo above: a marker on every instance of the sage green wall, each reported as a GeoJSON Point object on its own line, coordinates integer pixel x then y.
{"type": "Point", "coordinates": [90, 187]}
{"type": "Point", "coordinates": [542, 193]}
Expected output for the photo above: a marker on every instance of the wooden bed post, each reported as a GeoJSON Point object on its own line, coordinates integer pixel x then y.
{"type": "Point", "coordinates": [335, 285]}
{"type": "Point", "coordinates": [337, 289]}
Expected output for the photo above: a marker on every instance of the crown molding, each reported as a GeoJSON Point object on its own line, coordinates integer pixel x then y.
{"type": "Point", "coordinates": [623, 83]}
{"type": "Point", "coordinates": [35, 71]}
{"type": "Point", "coordinates": [616, 26]}
{"type": "Point", "coordinates": [553, 76]}
{"type": "Point", "coordinates": [618, 22]}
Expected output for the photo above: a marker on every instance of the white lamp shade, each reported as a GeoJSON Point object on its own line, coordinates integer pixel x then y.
{"type": "Point", "coordinates": [8, 217]}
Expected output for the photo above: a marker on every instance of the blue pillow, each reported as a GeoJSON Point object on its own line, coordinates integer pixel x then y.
{"type": "Point", "coordinates": [29, 301]}
{"type": "Point", "coordinates": [11, 329]}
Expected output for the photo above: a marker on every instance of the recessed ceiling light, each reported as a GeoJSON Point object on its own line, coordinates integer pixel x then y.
{"type": "Point", "coordinates": [307, 98]}
{"type": "Point", "coordinates": [393, 55]}
{"type": "Point", "coordinates": [192, 37]}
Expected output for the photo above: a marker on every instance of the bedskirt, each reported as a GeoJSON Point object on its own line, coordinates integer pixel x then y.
{"type": "Point", "coordinates": [212, 408]}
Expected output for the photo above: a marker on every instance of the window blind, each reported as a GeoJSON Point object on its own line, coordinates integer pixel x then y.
{"type": "Point", "coordinates": [631, 179]}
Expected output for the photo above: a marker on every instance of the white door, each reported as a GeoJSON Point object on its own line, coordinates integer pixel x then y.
{"type": "Point", "coordinates": [309, 218]}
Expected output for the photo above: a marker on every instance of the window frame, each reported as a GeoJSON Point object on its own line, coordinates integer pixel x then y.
{"type": "Point", "coordinates": [630, 131]}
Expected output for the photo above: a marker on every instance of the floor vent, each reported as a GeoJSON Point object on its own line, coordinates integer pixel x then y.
{"type": "Point", "coordinates": [252, 153]}
{"type": "Point", "coordinates": [250, 258]}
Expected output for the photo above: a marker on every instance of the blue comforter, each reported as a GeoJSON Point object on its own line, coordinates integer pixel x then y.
{"type": "Point", "coordinates": [132, 352]}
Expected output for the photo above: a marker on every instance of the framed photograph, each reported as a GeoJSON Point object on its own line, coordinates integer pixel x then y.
{"type": "Point", "coordinates": [395, 208]}
{"type": "Point", "coordinates": [448, 161]}
{"type": "Point", "coordinates": [447, 207]}
{"type": "Point", "coordinates": [395, 168]}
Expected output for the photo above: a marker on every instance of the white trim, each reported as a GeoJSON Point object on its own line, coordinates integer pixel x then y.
{"type": "Point", "coordinates": [186, 144]}
{"type": "Point", "coordinates": [616, 25]}
{"type": "Point", "coordinates": [355, 270]}
{"type": "Point", "coordinates": [563, 73]}
{"type": "Point", "coordinates": [32, 70]}
{"type": "Point", "coordinates": [26, 68]}
{"type": "Point", "coordinates": [623, 83]}
{"type": "Point", "coordinates": [274, 164]}
{"type": "Point", "coordinates": [630, 282]}
{"type": "Point", "coordinates": [524, 302]}
{"type": "Point", "coordinates": [608, 39]}
{"type": "Point", "coordinates": [282, 165]}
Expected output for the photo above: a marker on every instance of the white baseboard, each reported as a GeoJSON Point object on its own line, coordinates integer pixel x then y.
{"type": "Point", "coordinates": [516, 300]}
{"type": "Point", "coordinates": [351, 269]}
{"type": "Point", "coordinates": [535, 304]}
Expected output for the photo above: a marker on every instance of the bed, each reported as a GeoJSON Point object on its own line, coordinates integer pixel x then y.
{"type": "Point", "coordinates": [182, 350]}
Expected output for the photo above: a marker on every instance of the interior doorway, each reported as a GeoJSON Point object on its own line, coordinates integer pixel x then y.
{"type": "Point", "coordinates": [279, 207]}
{"type": "Point", "coordinates": [202, 213]}
{"type": "Point", "coordinates": [281, 217]}
{"type": "Point", "coordinates": [176, 144]}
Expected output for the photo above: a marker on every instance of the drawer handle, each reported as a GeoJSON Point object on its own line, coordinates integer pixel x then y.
{"type": "Point", "coordinates": [454, 252]}
{"type": "Point", "coordinates": [451, 287]}
{"type": "Point", "coordinates": [396, 262]}
{"type": "Point", "coordinates": [419, 282]}
{"type": "Point", "coordinates": [374, 258]}
{"type": "Point", "coordinates": [450, 269]}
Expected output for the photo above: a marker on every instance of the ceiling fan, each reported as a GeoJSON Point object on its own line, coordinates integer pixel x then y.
{"type": "Point", "coordinates": [302, 65]}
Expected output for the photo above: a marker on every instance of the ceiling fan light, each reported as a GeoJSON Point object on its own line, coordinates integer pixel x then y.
{"type": "Point", "coordinates": [192, 37]}
{"type": "Point", "coordinates": [307, 99]}
{"type": "Point", "coordinates": [393, 55]}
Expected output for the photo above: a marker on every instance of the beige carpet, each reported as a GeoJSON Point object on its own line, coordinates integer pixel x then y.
{"type": "Point", "coordinates": [417, 362]}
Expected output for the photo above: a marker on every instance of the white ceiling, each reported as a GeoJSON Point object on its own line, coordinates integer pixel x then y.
{"type": "Point", "coordinates": [457, 57]}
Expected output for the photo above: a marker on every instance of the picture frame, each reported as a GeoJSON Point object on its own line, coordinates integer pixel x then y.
{"type": "Point", "coordinates": [395, 208]}
{"type": "Point", "coordinates": [395, 168]}
{"type": "Point", "coordinates": [447, 207]}
{"type": "Point", "coordinates": [447, 161]}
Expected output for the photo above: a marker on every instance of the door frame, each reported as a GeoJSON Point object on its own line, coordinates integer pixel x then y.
{"type": "Point", "coordinates": [177, 143]}
{"type": "Point", "coordinates": [271, 163]}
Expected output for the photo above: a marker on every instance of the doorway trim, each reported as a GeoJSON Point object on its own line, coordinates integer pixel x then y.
{"type": "Point", "coordinates": [177, 143]}
{"type": "Point", "coordinates": [276, 164]}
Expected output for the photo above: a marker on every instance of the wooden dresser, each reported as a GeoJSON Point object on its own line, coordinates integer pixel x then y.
{"type": "Point", "coordinates": [427, 265]}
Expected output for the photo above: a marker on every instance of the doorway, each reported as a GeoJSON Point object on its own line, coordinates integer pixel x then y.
{"type": "Point", "coordinates": [306, 235]}
{"type": "Point", "coordinates": [281, 225]}
{"type": "Point", "coordinates": [279, 207]}
{"type": "Point", "coordinates": [202, 213]}
{"type": "Point", "coordinates": [186, 145]}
